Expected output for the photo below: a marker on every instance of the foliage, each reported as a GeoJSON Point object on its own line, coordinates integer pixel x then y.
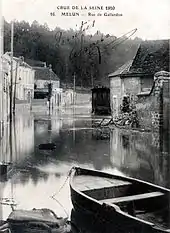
{"type": "Point", "coordinates": [91, 58]}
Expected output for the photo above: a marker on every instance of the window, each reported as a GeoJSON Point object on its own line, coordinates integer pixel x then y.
{"type": "Point", "coordinates": [146, 83]}
{"type": "Point", "coordinates": [46, 85]}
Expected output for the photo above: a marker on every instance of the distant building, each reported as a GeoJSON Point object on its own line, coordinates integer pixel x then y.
{"type": "Point", "coordinates": [137, 76]}
{"type": "Point", "coordinates": [68, 97]}
{"type": "Point", "coordinates": [23, 82]}
{"type": "Point", "coordinates": [23, 77]}
{"type": "Point", "coordinates": [43, 77]}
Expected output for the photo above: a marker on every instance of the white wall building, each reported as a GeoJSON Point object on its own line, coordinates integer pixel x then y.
{"type": "Point", "coordinates": [45, 76]}
{"type": "Point", "coordinates": [25, 82]}
{"type": "Point", "coordinates": [23, 78]}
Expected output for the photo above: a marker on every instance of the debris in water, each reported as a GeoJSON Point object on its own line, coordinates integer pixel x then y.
{"type": "Point", "coordinates": [47, 146]}
{"type": "Point", "coordinates": [36, 220]}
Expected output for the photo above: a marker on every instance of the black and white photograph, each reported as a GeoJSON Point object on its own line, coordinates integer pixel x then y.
{"type": "Point", "coordinates": [84, 116]}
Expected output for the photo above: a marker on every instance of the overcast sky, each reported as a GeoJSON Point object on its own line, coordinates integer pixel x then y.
{"type": "Point", "coordinates": [150, 17]}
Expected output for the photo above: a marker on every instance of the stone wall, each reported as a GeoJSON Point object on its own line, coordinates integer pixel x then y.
{"type": "Point", "coordinates": [166, 105]}
{"type": "Point", "coordinates": [153, 107]}
{"type": "Point", "coordinates": [147, 107]}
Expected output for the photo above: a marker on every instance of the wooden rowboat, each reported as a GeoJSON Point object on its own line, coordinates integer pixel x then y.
{"type": "Point", "coordinates": [124, 202]}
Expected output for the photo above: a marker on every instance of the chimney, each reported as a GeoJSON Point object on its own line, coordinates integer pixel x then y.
{"type": "Point", "coordinates": [21, 60]}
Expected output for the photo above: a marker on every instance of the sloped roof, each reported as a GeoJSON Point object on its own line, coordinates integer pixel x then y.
{"type": "Point", "coordinates": [16, 59]}
{"type": "Point", "coordinates": [25, 64]}
{"type": "Point", "coordinates": [151, 57]}
{"type": "Point", "coordinates": [43, 73]}
{"type": "Point", "coordinates": [36, 63]}
{"type": "Point", "coordinates": [122, 70]}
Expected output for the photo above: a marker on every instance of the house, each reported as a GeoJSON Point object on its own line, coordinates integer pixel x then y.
{"type": "Point", "coordinates": [117, 87]}
{"type": "Point", "coordinates": [137, 76]}
{"type": "Point", "coordinates": [23, 77]}
{"type": "Point", "coordinates": [43, 77]}
{"type": "Point", "coordinates": [22, 83]}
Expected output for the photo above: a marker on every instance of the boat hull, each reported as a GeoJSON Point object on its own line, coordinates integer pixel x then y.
{"type": "Point", "coordinates": [109, 214]}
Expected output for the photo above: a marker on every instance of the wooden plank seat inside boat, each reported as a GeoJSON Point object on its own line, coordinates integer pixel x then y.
{"type": "Point", "coordinates": [133, 197]}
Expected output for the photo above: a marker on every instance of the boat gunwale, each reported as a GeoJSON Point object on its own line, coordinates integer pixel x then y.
{"type": "Point", "coordinates": [115, 207]}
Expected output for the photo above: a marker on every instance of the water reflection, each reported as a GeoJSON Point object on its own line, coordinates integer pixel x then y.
{"type": "Point", "coordinates": [35, 170]}
{"type": "Point", "coordinates": [38, 174]}
{"type": "Point", "coordinates": [141, 155]}
{"type": "Point", "coordinates": [16, 143]}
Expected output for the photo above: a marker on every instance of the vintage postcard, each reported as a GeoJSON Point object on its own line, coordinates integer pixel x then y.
{"type": "Point", "coordinates": [84, 116]}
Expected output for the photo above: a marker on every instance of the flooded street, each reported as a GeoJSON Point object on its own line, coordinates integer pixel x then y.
{"type": "Point", "coordinates": [37, 174]}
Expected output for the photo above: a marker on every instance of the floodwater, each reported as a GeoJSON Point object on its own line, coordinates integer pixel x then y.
{"type": "Point", "coordinates": [37, 175]}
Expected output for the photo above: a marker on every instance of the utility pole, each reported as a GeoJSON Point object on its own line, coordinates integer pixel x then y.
{"type": "Point", "coordinates": [74, 90]}
{"type": "Point", "coordinates": [11, 81]}
{"type": "Point", "coordinates": [30, 101]}
{"type": "Point", "coordinates": [92, 81]}
{"type": "Point", "coordinates": [15, 83]}
{"type": "Point", "coordinates": [1, 76]}
{"type": "Point", "coordinates": [50, 90]}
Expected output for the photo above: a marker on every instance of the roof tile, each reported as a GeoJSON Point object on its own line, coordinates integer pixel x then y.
{"type": "Point", "coordinates": [43, 73]}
